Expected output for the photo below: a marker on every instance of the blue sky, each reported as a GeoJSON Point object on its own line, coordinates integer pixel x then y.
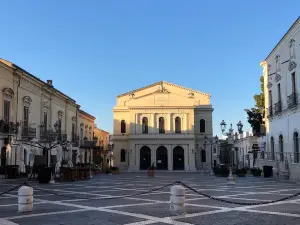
{"type": "Point", "coordinates": [95, 50]}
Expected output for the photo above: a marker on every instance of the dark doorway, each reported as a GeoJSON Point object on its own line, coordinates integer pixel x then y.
{"type": "Point", "coordinates": [178, 158]}
{"type": "Point", "coordinates": [145, 158]}
{"type": "Point", "coordinates": [162, 158]}
{"type": "Point", "coordinates": [3, 156]}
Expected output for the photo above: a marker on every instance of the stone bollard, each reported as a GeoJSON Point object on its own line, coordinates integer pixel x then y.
{"type": "Point", "coordinates": [230, 179]}
{"type": "Point", "coordinates": [177, 201]}
{"type": "Point", "coordinates": [25, 199]}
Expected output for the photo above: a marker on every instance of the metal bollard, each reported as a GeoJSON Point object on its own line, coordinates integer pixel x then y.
{"type": "Point", "coordinates": [177, 201]}
{"type": "Point", "coordinates": [25, 199]}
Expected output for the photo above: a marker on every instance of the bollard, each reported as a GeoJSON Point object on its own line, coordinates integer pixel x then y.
{"type": "Point", "coordinates": [230, 179]}
{"type": "Point", "coordinates": [25, 199]}
{"type": "Point", "coordinates": [177, 201]}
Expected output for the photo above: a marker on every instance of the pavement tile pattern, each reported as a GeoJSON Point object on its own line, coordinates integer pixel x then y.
{"type": "Point", "coordinates": [87, 202]}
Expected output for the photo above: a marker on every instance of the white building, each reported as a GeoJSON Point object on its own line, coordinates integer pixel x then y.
{"type": "Point", "coordinates": [282, 85]}
{"type": "Point", "coordinates": [164, 124]}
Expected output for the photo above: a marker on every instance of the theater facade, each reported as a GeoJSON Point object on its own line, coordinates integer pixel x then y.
{"type": "Point", "coordinates": [162, 124]}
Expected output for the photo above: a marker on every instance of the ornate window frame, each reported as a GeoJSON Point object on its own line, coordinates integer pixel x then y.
{"type": "Point", "coordinates": [8, 95]}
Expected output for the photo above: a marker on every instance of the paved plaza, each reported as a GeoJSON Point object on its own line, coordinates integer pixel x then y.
{"type": "Point", "coordinates": [71, 207]}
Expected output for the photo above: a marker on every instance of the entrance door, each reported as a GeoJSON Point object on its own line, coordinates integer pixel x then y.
{"type": "Point", "coordinates": [161, 158]}
{"type": "Point", "coordinates": [178, 158]}
{"type": "Point", "coordinates": [145, 158]}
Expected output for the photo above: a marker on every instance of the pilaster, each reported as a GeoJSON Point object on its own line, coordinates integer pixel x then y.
{"type": "Point", "coordinates": [170, 157]}
{"type": "Point", "coordinates": [191, 156]}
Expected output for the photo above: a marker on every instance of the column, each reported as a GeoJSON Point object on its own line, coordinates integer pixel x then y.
{"type": "Point", "coordinates": [170, 157]}
{"type": "Point", "coordinates": [168, 124]}
{"type": "Point", "coordinates": [191, 156]}
{"type": "Point", "coordinates": [137, 156]}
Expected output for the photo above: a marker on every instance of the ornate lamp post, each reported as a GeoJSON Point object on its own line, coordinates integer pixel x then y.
{"type": "Point", "coordinates": [230, 132]}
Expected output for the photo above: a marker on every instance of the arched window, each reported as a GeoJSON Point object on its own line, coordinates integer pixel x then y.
{"type": "Point", "coordinates": [296, 147]}
{"type": "Point", "coordinates": [145, 125]}
{"type": "Point", "coordinates": [161, 125]}
{"type": "Point", "coordinates": [203, 155]}
{"type": "Point", "coordinates": [123, 155]}
{"type": "Point", "coordinates": [281, 148]}
{"type": "Point", "coordinates": [177, 125]}
{"type": "Point", "coordinates": [123, 127]}
{"type": "Point", "coordinates": [202, 126]}
{"type": "Point", "coordinates": [272, 149]}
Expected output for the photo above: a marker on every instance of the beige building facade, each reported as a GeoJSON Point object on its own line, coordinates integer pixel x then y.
{"type": "Point", "coordinates": [162, 124]}
{"type": "Point", "coordinates": [30, 109]}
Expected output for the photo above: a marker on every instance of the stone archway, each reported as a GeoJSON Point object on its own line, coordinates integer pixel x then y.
{"type": "Point", "coordinates": [162, 158]}
{"type": "Point", "coordinates": [178, 158]}
{"type": "Point", "coordinates": [145, 158]}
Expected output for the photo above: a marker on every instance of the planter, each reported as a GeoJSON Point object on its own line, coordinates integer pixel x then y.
{"type": "Point", "coordinates": [44, 175]}
{"type": "Point", "coordinates": [268, 171]}
{"type": "Point", "coordinates": [115, 172]}
{"type": "Point", "coordinates": [256, 172]}
{"type": "Point", "coordinates": [151, 173]}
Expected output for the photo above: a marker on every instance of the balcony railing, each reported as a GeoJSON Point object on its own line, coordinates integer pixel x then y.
{"type": "Point", "coordinates": [9, 128]}
{"type": "Point", "coordinates": [278, 108]}
{"type": "Point", "coordinates": [292, 100]}
{"type": "Point", "coordinates": [87, 143]}
{"type": "Point", "coordinates": [291, 157]}
{"type": "Point", "coordinates": [28, 132]}
{"type": "Point", "coordinates": [49, 135]}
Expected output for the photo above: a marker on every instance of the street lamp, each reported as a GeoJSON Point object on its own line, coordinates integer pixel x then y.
{"type": "Point", "coordinates": [240, 127]}
{"type": "Point", "coordinates": [223, 126]}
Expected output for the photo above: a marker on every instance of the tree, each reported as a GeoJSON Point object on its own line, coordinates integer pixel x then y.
{"type": "Point", "coordinates": [255, 115]}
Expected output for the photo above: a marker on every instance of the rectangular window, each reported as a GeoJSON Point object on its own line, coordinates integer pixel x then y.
{"type": "Point", "coordinates": [293, 82]}
{"type": "Point", "coordinates": [45, 121]}
{"type": "Point", "coordinates": [26, 116]}
{"type": "Point", "coordinates": [279, 92]}
{"type": "Point", "coordinates": [6, 111]}
{"type": "Point", "coordinates": [73, 131]}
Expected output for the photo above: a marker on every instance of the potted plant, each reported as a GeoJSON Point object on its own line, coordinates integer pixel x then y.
{"type": "Point", "coordinates": [256, 172]}
{"type": "Point", "coordinates": [115, 170]}
{"type": "Point", "coordinates": [151, 170]}
{"type": "Point", "coordinates": [241, 172]}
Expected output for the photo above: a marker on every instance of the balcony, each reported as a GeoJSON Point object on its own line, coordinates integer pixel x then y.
{"type": "Point", "coordinates": [8, 128]}
{"type": "Point", "coordinates": [278, 108]}
{"type": "Point", "coordinates": [292, 100]}
{"type": "Point", "coordinates": [28, 132]}
{"type": "Point", "coordinates": [75, 140]}
{"type": "Point", "coordinates": [87, 144]}
{"type": "Point", "coordinates": [49, 135]}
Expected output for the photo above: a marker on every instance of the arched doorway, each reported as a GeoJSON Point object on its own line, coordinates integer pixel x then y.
{"type": "Point", "coordinates": [145, 158]}
{"type": "Point", "coordinates": [178, 158]}
{"type": "Point", "coordinates": [162, 158]}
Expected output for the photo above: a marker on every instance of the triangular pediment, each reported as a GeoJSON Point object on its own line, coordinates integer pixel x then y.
{"type": "Point", "coordinates": [163, 94]}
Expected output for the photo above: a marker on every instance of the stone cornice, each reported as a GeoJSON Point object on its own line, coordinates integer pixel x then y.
{"type": "Point", "coordinates": [159, 83]}
{"type": "Point", "coordinates": [283, 39]}
{"type": "Point", "coordinates": [160, 107]}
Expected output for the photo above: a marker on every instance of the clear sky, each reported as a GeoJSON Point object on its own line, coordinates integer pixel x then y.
{"type": "Point", "coordinates": [95, 50]}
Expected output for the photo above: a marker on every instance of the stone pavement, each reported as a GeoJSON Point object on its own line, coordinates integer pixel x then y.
{"type": "Point", "coordinates": [153, 208]}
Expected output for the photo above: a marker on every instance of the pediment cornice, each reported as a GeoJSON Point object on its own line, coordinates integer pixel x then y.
{"type": "Point", "coordinates": [163, 90]}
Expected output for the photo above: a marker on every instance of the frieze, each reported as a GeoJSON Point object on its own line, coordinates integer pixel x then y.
{"type": "Point", "coordinates": [292, 65]}
{"type": "Point", "coordinates": [277, 77]}
{"type": "Point", "coordinates": [269, 85]}
{"type": "Point", "coordinates": [26, 84]}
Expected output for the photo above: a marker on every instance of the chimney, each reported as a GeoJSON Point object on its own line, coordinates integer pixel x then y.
{"type": "Point", "coordinates": [49, 82]}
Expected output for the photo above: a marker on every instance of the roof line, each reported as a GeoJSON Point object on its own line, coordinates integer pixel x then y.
{"type": "Point", "coordinates": [291, 27]}
{"type": "Point", "coordinates": [160, 82]}
{"type": "Point", "coordinates": [34, 77]}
